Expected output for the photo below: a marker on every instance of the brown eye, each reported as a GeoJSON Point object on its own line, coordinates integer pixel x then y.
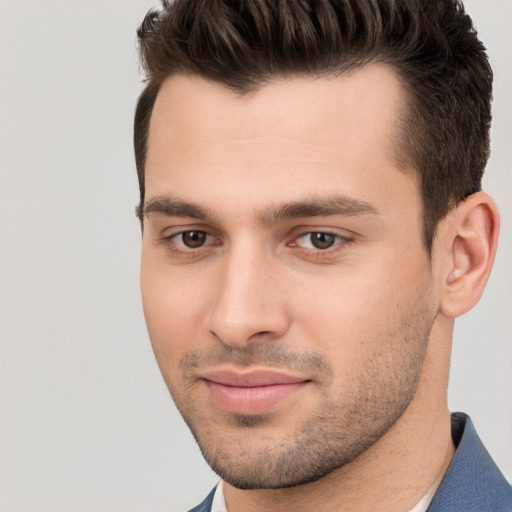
{"type": "Point", "coordinates": [319, 240]}
{"type": "Point", "coordinates": [193, 239]}
{"type": "Point", "coordinates": [322, 240]}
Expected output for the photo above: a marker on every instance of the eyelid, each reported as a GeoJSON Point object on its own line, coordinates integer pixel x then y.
{"type": "Point", "coordinates": [178, 238]}
{"type": "Point", "coordinates": [170, 241]}
{"type": "Point", "coordinates": [341, 240]}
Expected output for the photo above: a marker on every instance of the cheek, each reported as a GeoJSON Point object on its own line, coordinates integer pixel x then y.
{"type": "Point", "coordinates": [173, 306]}
{"type": "Point", "coordinates": [353, 313]}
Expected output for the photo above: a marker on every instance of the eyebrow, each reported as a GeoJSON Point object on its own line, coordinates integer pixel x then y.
{"type": "Point", "coordinates": [316, 207]}
{"type": "Point", "coordinates": [319, 207]}
{"type": "Point", "coordinates": [171, 207]}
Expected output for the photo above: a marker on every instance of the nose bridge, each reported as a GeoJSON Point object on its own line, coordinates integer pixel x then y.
{"type": "Point", "coordinates": [247, 301]}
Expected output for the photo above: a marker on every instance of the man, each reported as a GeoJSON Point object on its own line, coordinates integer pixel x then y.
{"type": "Point", "coordinates": [313, 221]}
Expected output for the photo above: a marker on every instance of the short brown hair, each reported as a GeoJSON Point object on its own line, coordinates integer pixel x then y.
{"type": "Point", "coordinates": [431, 44]}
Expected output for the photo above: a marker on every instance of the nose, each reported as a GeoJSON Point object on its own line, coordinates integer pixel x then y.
{"type": "Point", "coordinates": [248, 304]}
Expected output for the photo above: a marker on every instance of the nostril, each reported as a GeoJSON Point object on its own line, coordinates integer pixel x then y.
{"type": "Point", "coordinates": [261, 334]}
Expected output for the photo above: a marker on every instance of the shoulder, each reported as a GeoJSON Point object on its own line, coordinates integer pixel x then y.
{"type": "Point", "coordinates": [473, 482]}
{"type": "Point", "coordinates": [206, 505]}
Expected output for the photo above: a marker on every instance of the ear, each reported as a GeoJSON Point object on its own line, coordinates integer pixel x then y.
{"type": "Point", "coordinates": [469, 240]}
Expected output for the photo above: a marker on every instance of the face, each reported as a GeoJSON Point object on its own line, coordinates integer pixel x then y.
{"type": "Point", "coordinates": [286, 288]}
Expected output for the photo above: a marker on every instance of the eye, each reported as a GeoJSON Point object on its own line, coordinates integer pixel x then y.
{"type": "Point", "coordinates": [193, 239]}
{"type": "Point", "coordinates": [319, 240]}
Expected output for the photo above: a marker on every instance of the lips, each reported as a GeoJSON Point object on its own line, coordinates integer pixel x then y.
{"type": "Point", "coordinates": [251, 392]}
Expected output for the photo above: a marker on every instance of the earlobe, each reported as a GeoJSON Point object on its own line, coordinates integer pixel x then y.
{"type": "Point", "coordinates": [471, 247]}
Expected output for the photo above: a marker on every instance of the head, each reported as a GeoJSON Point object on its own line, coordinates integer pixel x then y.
{"type": "Point", "coordinates": [309, 175]}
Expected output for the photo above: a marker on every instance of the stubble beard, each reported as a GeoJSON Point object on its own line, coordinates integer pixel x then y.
{"type": "Point", "coordinates": [347, 424]}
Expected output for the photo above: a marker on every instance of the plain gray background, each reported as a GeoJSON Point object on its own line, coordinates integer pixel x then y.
{"type": "Point", "coordinates": [86, 423]}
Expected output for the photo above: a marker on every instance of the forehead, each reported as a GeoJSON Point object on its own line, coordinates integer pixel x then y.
{"type": "Point", "coordinates": [317, 108]}
{"type": "Point", "coordinates": [298, 133]}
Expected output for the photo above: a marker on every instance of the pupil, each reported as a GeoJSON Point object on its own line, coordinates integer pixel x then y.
{"type": "Point", "coordinates": [194, 239]}
{"type": "Point", "coordinates": [322, 240]}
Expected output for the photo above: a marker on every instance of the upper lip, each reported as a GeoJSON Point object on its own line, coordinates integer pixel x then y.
{"type": "Point", "coordinates": [251, 378]}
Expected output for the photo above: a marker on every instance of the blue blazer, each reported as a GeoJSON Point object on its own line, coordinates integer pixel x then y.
{"type": "Point", "coordinates": [473, 482]}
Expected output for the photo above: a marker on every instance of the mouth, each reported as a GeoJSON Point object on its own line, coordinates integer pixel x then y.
{"type": "Point", "coordinates": [251, 392]}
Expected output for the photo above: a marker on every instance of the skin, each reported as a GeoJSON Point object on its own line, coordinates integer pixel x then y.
{"type": "Point", "coordinates": [365, 324]}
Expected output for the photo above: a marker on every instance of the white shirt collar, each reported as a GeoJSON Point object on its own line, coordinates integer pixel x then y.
{"type": "Point", "coordinates": [219, 502]}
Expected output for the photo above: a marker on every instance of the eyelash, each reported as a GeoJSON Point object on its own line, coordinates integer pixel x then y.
{"type": "Point", "coordinates": [184, 251]}
{"type": "Point", "coordinates": [340, 241]}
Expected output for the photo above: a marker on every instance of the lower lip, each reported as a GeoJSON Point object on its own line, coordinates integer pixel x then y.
{"type": "Point", "coordinates": [255, 400]}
